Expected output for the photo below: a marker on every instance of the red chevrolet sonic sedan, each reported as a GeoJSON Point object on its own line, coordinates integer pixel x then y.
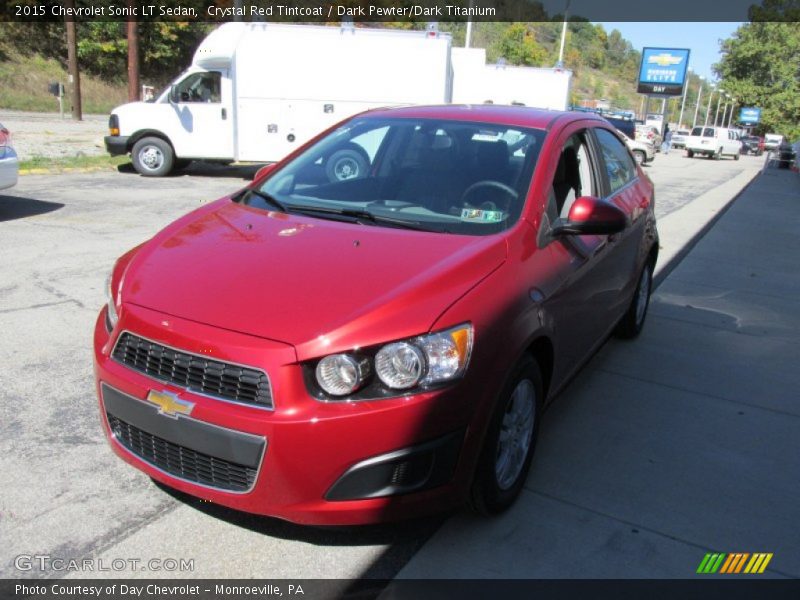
{"type": "Point", "coordinates": [371, 329]}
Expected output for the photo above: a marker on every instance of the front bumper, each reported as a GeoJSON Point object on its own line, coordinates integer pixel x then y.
{"type": "Point", "coordinates": [400, 457]}
{"type": "Point", "coordinates": [116, 145]}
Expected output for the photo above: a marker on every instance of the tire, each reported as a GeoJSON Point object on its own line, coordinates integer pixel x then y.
{"type": "Point", "coordinates": [346, 164]}
{"type": "Point", "coordinates": [632, 321]}
{"type": "Point", "coordinates": [152, 157]}
{"type": "Point", "coordinates": [717, 155]}
{"type": "Point", "coordinates": [510, 441]}
{"type": "Point", "coordinates": [690, 154]}
{"type": "Point", "coordinates": [736, 156]}
{"type": "Point", "coordinates": [641, 157]}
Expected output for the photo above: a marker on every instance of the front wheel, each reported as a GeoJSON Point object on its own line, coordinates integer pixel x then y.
{"type": "Point", "coordinates": [690, 154]}
{"type": "Point", "coordinates": [510, 442]}
{"type": "Point", "coordinates": [640, 157]}
{"type": "Point", "coordinates": [632, 322]}
{"type": "Point", "coordinates": [345, 164]}
{"type": "Point", "coordinates": [152, 157]}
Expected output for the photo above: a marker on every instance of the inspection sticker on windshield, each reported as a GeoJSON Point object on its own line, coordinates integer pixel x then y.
{"type": "Point", "coordinates": [484, 216]}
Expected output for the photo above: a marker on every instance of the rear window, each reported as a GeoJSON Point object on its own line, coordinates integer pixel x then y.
{"type": "Point", "coordinates": [703, 131]}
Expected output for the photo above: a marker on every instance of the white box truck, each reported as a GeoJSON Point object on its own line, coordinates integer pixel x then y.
{"type": "Point", "coordinates": [475, 82]}
{"type": "Point", "coordinates": [257, 91]}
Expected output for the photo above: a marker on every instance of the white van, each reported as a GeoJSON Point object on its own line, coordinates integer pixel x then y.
{"type": "Point", "coordinates": [714, 142]}
{"type": "Point", "coordinates": [257, 91]}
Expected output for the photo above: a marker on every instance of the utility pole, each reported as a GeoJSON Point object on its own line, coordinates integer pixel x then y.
{"type": "Point", "coordinates": [468, 39]}
{"type": "Point", "coordinates": [730, 117]}
{"type": "Point", "coordinates": [708, 108]}
{"type": "Point", "coordinates": [134, 90]}
{"type": "Point", "coordinates": [72, 60]}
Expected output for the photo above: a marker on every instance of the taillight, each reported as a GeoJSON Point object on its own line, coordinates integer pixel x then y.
{"type": "Point", "coordinates": [5, 136]}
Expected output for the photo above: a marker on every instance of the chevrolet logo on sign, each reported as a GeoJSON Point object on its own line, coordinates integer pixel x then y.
{"type": "Point", "coordinates": [169, 404]}
{"type": "Point", "coordinates": [664, 59]}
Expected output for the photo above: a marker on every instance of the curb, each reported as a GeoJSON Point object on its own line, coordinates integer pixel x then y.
{"type": "Point", "coordinates": [48, 171]}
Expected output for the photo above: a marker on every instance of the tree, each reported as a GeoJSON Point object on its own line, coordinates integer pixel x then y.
{"type": "Point", "coordinates": [760, 67]}
{"type": "Point", "coordinates": [519, 47]}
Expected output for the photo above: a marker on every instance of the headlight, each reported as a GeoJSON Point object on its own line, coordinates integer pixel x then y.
{"type": "Point", "coordinates": [341, 374]}
{"type": "Point", "coordinates": [112, 316]}
{"type": "Point", "coordinates": [423, 361]}
{"type": "Point", "coordinates": [400, 366]}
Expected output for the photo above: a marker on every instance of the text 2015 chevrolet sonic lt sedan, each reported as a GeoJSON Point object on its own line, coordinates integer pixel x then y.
{"type": "Point", "coordinates": [371, 329]}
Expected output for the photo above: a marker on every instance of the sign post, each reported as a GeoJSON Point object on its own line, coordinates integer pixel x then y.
{"type": "Point", "coordinates": [662, 74]}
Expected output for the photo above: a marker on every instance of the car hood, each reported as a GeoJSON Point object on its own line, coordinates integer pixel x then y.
{"type": "Point", "coordinates": [308, 282]}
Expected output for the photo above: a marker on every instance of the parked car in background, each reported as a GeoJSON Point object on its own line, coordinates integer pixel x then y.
{"type": "Point", "coordinates": [752, 144]}
{"type": "Point", "coordinates": [624, 126]}
{"type": "Point", "coordinates": [643, 152]}
{"type": "Point", "coordinates": [380, 347]}
{"type": "Point", "coordinates": [784, 155]}
{"type": "Point", "coordinates": [649, 134]}
{"type": "Point", "coordinates": [9, 163]}
{"type": "Point", "coordinates": [713, 142]}
{"type": "Point", "coordinates": [772, 141]}
{"type": "Point", "coordinates": [679, 138]}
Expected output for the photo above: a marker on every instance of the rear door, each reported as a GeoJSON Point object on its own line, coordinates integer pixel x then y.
{"type": "Point", "coordinates": [624, 189]}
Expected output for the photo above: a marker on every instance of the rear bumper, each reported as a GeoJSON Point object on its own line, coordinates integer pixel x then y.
{"type": "Point", "coordinates": [9, 169]}
{"type": "Point", "coordinates": [116, 145]}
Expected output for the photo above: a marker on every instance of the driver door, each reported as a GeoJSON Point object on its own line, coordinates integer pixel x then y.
{"type": "Point", "coordinates": [202, 103]}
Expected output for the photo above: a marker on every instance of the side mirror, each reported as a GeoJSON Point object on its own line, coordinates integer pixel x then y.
{"type": "Point", "coordinates": [264, 171]}
{"type": "Point", "coordinates": [591, 216]}
{"type": "Point", "coordinates": [173, 95]}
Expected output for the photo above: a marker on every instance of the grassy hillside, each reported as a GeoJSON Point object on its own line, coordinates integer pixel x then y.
{"type": "Point", "coordinates": [24, 80]}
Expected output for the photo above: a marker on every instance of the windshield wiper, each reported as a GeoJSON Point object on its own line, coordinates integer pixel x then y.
{"type": "Point", "coordinates": [271, 200]}
{"type": "Point", "coordinates": [364, 216]}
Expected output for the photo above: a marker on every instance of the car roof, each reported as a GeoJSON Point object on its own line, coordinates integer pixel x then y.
{"type": "Point", "coordinates": [519, 116]}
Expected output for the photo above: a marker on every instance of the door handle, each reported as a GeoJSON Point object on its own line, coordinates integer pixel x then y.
{"type": "Point", "coordinates": [224, 114]}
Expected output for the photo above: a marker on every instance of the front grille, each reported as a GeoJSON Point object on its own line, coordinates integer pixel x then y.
{"type": "Point", "coordinates": [181, 461]}
{"type": "Point", "coordinates": [195, 373]}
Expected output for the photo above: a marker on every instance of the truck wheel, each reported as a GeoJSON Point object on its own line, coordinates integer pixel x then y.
{"type": "Point", "coordinates": [345, 164]}
{"type": "Point", "coordinates": [510, 441]}
{"type": "Point", "coordinates": [690, 154]}
{"type": "Point", "coordinates": [640, 157]}
{"type": "Point", "coordinates": [152, 157]}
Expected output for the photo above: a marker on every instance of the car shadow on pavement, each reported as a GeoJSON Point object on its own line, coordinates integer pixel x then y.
{"type": "Point", "coordinates": [18, 207]}
{"type": "Point", "coordinates": [204, 169]}
{"type": "Point", "coordinates": [403, 538]}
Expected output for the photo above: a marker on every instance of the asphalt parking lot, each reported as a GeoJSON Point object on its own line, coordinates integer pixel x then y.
{"type": "Point", "coordinates": [68, 495]}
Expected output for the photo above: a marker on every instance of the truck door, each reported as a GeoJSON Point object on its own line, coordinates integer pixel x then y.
{"type": "Point", "coordinates": [202, 103]}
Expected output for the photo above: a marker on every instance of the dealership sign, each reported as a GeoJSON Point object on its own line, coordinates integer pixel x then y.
{"type": "Point", "coordinates": [663, 71]}
{"type": "Point", "coordinates": [749, 115]}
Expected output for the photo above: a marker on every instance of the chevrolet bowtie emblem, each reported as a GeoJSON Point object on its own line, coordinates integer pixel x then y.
{"type": "Point", "coordinates": [664, 59]}
{"type": "Point", "coordinates": [169, 404]}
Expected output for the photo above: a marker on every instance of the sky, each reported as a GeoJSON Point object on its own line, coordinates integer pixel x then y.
{"type": "Point", "coordinates": [701, 38]}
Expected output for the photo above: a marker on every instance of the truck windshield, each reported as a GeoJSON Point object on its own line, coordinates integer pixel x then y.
{"type": "Point", "coordinates": [427, 174]}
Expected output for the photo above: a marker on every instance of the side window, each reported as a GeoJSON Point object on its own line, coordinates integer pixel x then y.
{"type": "Point", "coordinates": [200, 87]}
{"type": "Point", "coordinates": [574, 177]}
{"type": "Point", "coordinates": [620, 167]}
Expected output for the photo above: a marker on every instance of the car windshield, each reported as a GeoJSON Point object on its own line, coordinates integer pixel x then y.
{"type": "Point", "coordinates": [705, 132]}
{"type": "Point", "coordinates": [427, 174]}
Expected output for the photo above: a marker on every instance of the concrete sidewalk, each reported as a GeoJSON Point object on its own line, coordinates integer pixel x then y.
{"type": "Point", "coordinates": [682, 442]}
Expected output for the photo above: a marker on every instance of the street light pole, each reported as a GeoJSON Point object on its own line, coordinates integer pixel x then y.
{"type": "Point", "coordinates": [560, 63]}
{"type": "Point", "coordinates": [730, 117]}
{"type": "Point", "coordinates": [708, 108]}
{"type": "Point", "coordinates": [683, 102]}
{"type": "Point", "coordinates": [716, 114]}
{"type": "Point", "coordinates": [697, 106]}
